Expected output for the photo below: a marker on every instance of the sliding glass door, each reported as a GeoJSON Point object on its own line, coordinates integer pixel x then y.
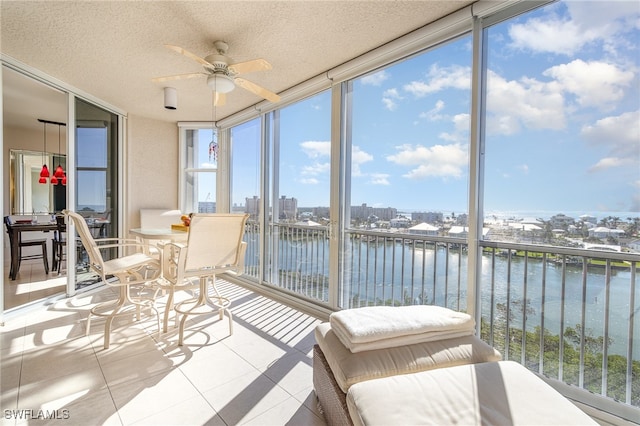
{"type": "Point", "coordinates": [96, 178]}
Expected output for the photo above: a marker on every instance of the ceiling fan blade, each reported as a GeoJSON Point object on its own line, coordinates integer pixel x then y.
{"type": "Point", "coordinates": [254, 88]}
{"type": "Point", "coordinates": [177, 77]}
{"type": "Point", "coordinates": [188, 54]}
{"type": "Point", "coordinates": [250, 66]}
{"type": "Point", "coordinates": [219, 99]}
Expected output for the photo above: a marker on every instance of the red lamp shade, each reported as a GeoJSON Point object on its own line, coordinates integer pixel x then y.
{"type": "Point", "coordinates": [54, 180]}
{"type": "Point", "coordinates": [44, 173]}
{"type": "Point", "coordinates": [59, 171]}
{"type": "Point", "coordinates": [42, 180]}
{"type": "Point", "coordinates": [64, 179]}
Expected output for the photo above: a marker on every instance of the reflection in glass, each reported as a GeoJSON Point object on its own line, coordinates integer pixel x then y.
{"type": "Point", "coordinates": [26, 194]}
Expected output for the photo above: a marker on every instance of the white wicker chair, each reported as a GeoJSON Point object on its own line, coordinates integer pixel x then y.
{"type": "Point", "coordinates": [214, 246]}
{"type": "Point", "coordinates": [136, 269]}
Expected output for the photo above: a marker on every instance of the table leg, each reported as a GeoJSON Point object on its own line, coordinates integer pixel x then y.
{"type": "Point", "coordinates": [15, 256]}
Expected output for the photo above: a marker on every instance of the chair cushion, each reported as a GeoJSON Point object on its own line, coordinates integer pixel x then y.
{"type": "Point", "coordinates": [132, 261]}
{"type": "Point", "coordinates": [498, 393]}
{"type": "Point", "coordinates": [350, 368]}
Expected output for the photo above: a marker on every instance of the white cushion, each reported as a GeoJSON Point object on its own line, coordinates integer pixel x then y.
{"type": "Point", "coordinates": [159, 218]}
{"type": "Point", "coordinates": [379, 327]}
{"type": "Point", "coordinates": [492, 393]}
{"type": "Point", "coordinates": [349, 368]}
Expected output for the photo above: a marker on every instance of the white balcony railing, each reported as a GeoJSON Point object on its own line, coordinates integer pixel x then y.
{"type": "Point", "coordinates": [566, 313]}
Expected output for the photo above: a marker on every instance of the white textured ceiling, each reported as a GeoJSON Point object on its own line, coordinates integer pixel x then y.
{"type": "Point", "coordinates": [112, 49]}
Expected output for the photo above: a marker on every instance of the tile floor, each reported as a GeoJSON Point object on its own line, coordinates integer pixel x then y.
{"type": "Point", "coordinates": [259, 375]}
{"type": "Point", "coordinates": [31, 283]}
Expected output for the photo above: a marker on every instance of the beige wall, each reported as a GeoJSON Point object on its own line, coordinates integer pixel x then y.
{"type": "Point", "coordinates": [152, 167]}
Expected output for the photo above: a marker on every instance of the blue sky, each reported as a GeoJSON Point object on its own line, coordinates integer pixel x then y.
{"type": "Point", "coordinates": [562, 129]}
{"type": "Point", "coordinates": [92, 152]}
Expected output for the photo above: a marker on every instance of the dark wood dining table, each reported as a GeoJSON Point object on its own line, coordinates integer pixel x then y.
{"type": "Point", "coordinates": [15, 231]}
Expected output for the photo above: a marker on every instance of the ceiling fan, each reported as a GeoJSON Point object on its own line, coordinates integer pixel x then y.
{"type": "Point", "coordinates": [222, 73]}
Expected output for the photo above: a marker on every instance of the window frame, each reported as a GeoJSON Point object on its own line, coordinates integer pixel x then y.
{"type": "Point", "coordinates": [219, 170]}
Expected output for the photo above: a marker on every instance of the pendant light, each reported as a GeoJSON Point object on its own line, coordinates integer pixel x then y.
{"type": "Point", "coordinates": [44, 173]}
{"type": "Point", "coordinates": [59, 173]}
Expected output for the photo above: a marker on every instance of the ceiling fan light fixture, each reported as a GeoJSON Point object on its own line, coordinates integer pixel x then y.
{"type": "Point", "coordinates": [220, 83]}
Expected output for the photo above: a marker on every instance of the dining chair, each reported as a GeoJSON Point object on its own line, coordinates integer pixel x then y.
{"type": "Point", "coordinates": [41, 242]}
{"type": "Point", "coordinates": [214, 246]}
{"type": "Point", "coordinates": [59, 244]}
{"type": "Point", "coordinates": [158, 219]}
{"type": "Point", "coordinates": [124, 272]}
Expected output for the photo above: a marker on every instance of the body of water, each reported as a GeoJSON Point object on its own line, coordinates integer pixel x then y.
{"type": "Point", "coordinates": [395, 271]}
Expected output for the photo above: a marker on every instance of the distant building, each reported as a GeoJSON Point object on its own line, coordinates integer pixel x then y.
{"type": "Point", "coordinates": [589, 219]}
{"type": "Point", "coordinates": [363, 212]}
{"type": "Point", "coordinates": [252, 206]}
{"type": "Point", "coordinates": [321, 212]}
{"type": "Point", "coordinates": [530, 221]}
{"type": "Point", "coordinates": [429, 217]}
{"type": "Point", "coordinates": [561, 221]}
{"type": "Point", "coordinates": [288, 207]}
{"type": "Point", "coordinates": [462, 219]}
{"type": "Point", "coordinates": [424, 229]}
{"type": "Point", "coordinates": [400, 222]}
{"type": "Point", "coordinates": [457, 231]}
{"type": "Point", "coordinates": [634, 245]}
{"type": "Point", "coordinates": [603, 232]}
{"type": "Point", "coordinates": [206, 207]}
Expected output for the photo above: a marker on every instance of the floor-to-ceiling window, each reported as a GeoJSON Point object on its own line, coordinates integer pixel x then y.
{"type": "Point", "coordinates": [408, 174]}
{"type": "Point", "coordinates": [246, 172]}
{"type": "Point", "coordinates": [562, 169]}
{"type": "Point", "coordinates": [96, 177]}
{"type": "Point", "coordinates": [299, 165]}
{"type": "Point", "coordinates": [432, 150]}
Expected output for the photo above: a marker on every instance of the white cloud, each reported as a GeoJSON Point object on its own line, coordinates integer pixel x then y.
{"type": "Point", "coordinates": [389, 104]}
{"type": "Point", "coordinates": [527, 102]}
{"type": "Point", "coordinates": [358, 157]}
{"type": "Point", "coordinates": [315, 149]}
{"type": "Point", "coordinates": [593, 83]}
{"type": "Point", "coordinates": [438, 79]}
{"type": "Point", "coordinates": [607, 163]}
{"type": "Point", "coordinates": [620, 134]}
{"type": "Point", "coordinates": [587, 22]}
{"type": "Point", "coordinates": [310, 181]}
{"type": "Point", "coordinates": [534, 104]}
{"type": "Point", "coordinates": [379, 179]}
{"type": "Point", "coordinates": [460, 133]}
{"type": "Point", "coordinates": [316, 169]}
{"type": "Point", "coordinates": [434, 113]}
{"type": "Point", "coordinates": [461, 122]}
{"type": "Point", "coordinates": [445, 161]}
{"type": "Point", "coordinates": [544, 35]}
{"type": "Point", "coordinates": [375, 79]}
{"type": "Point", "coordinates": [524, 168]}
{"type": "Point", "coordinates": [389, 98]}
